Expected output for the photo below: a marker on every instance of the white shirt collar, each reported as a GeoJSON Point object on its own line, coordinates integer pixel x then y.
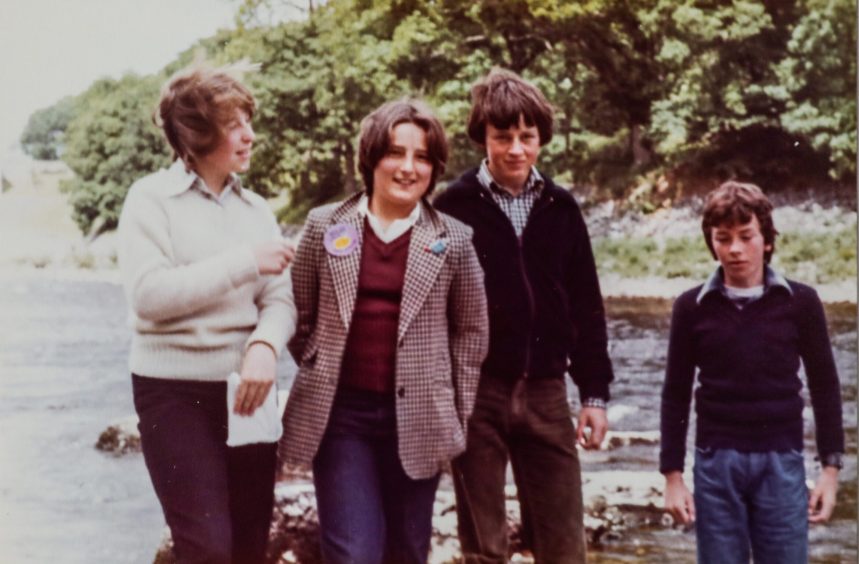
{"type": "Point", "coordinates": [180, 179]}
{"type": "Point", "coordinates": [395, 229]}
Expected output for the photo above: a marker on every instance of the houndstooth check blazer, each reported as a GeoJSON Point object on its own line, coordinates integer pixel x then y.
{"type": "Point", "coordinates": [443, 337]}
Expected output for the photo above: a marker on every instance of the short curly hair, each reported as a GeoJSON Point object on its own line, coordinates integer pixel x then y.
{"type": "Point", "coordinates": [500, 98]}
{"type": "Point", "coordinates": [735, 203]}
{"type": "Point", "coordinates": [196, 105]}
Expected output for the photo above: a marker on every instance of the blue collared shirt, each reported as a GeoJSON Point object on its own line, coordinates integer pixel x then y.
{"type": "Point", "coordinates": [716, 283]}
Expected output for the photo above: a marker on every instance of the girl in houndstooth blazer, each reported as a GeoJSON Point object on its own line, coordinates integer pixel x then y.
{"type": "Point", "coordinates": [392, 330]}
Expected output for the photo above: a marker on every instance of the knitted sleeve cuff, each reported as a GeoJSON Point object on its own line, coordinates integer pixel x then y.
{"type": "Point", "coordinates": [595, 402]}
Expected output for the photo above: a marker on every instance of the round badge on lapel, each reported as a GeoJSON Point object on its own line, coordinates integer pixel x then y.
{"type": "Point", "coordinates": [341, 239]}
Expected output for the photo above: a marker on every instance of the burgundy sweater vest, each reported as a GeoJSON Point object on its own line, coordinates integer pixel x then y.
{"type": "Point", "coordinates": [370, 358]}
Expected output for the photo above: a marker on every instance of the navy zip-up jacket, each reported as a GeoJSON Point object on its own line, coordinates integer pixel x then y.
{"type": "Point", "coordinates": [546, 314]}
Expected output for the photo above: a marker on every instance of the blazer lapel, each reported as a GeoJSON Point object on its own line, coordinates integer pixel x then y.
{"type": "Point", "coordinates": [344, 269]}
{"type": "Point", "coordinates": [428, 249]}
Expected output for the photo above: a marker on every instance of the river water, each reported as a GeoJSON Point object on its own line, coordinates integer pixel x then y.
{"type": "Point", "coordinates": [63, 379]}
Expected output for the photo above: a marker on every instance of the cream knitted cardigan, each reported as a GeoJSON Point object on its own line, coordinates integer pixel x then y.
{"type": "Point", "coordinates": [195, 295]}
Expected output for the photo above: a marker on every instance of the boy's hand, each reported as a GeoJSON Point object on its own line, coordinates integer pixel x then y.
{"type": "Point", "coordinates": [678, 499]}
{"type": "Point", "coordinates": [821, 502]}
{"type": "Point", "coordinates": [592, 418]}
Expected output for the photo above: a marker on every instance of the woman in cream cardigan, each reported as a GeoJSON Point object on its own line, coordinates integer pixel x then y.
{"type": "Point", "coordinates": [203, 262]}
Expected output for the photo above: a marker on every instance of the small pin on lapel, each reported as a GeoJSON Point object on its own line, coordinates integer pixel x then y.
{"type": "Point", "coordinates": [437, 247]}
{"type": "Point", "coordinates": [341, 239]}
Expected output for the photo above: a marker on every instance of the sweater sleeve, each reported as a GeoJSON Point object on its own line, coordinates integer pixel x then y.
{"type": "Point", "coordinates": [822, 376]}
{"type": "Point", "coordinates": [156, 288]}
{"type": "Point", "coordinates": [590, 366]}
{"type": "Point", "coordinates": [677, 388]}
{"type": "Point", "coordinates": [276, 307]}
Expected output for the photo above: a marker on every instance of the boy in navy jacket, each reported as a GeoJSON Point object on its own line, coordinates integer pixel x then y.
{"type": "Point", "coordinates": [546, 320]}
{"type": "Point", "coordinates": [745, 331]}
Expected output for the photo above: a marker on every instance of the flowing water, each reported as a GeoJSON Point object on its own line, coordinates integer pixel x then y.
{"type": "Point", "coordinates": [63, 379]}
{"type": "Point", "coordinates": [638, 329]}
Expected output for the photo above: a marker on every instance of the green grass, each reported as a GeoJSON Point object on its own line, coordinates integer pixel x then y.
{"type": "Point", "coordinates": [818, 257]}
{"type": "Point", "coordinates": [639, 258]}
{"type": "Point", "coordinates": [814, 258]}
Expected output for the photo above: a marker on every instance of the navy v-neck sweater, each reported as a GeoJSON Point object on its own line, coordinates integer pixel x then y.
{"type": "Point", "coordinates": [370, 358]}
{"type": "Point", "coordinates": [748, 362]}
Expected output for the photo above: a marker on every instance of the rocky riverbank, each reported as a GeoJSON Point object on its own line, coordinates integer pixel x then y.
{"type": "Point", "coordinates": [612, 513]}
{"type": "Point", "coordinates": [617, 504]}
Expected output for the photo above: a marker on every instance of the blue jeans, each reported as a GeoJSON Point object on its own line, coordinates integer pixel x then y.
{"type": "Point", "coordinates": [750, 500]}
{"type": "Point", "coordinates": [216, 499]}
{"type": "Point", "coordinates": [370, 511]}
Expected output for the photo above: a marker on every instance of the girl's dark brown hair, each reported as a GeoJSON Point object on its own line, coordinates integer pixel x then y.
{"type": "Point", "coordinates": [735, 203]}
{"type": "Point", "coordinates": [376, 131]}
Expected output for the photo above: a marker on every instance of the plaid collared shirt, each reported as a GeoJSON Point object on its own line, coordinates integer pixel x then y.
{"type": "Point", "coordinates": [516, 208]}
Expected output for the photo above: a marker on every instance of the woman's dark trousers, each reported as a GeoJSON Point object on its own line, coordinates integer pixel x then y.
{"type": "Point", "coordinates": [217, 500]}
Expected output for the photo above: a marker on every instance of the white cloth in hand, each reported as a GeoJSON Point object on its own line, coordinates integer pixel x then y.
{"type": "Point", "coordinates": [263, 426]}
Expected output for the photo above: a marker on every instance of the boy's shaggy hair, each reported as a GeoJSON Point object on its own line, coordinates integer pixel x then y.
{"type": "Point", "coordinates": [735, 203]}
{"type": "Point", "coordinates": [500, 98]}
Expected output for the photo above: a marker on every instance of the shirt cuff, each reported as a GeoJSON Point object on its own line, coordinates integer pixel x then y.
{"type": "Point", "coordinates": [833, 459]}
{"type": "Point", "coordinates": [594, 402]}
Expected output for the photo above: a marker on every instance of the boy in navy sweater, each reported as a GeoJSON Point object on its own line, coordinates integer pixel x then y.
{"type": "Point", "coordinates": [745, 331]}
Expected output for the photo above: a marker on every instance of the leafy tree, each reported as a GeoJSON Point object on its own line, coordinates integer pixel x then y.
{"type": "Point", "coordinates": [648, 92]}
{"type": "Point", "coordinates": [110, 143]}
{"type": "Point", "coordinates": [42, 138]}
{"type": "Point", "coordinates": [817, 83]}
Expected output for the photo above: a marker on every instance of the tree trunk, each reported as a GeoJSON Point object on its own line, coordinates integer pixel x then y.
{"type": "Point", "coordinates": [641, 154]}
{"type": "Point", "coordinates": [349, 174]}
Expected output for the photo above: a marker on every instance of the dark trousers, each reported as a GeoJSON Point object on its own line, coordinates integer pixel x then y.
{"type": "Point", "coordinates": [529, 424]}
{"type": "Point", "coordinates": [370, 511]}
{"type": "Point", "coordinates": [216, 500]}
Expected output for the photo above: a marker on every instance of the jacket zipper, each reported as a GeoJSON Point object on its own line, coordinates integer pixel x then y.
{"type": "Point", "coordinates": [532, 307]}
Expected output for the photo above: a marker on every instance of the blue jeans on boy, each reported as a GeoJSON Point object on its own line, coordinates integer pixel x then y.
{"type": "Point", "coordinates": [370, 511]}
{"type": "Point", "coordinates": [750, 502]}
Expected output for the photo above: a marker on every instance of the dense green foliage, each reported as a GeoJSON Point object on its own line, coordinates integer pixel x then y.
{"type": "Point", "coordinates": [656, 98]}
{"type": "Point", "coordinates": [43, 136]}
{"type": "Point", "coordinates": [109, 144]}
